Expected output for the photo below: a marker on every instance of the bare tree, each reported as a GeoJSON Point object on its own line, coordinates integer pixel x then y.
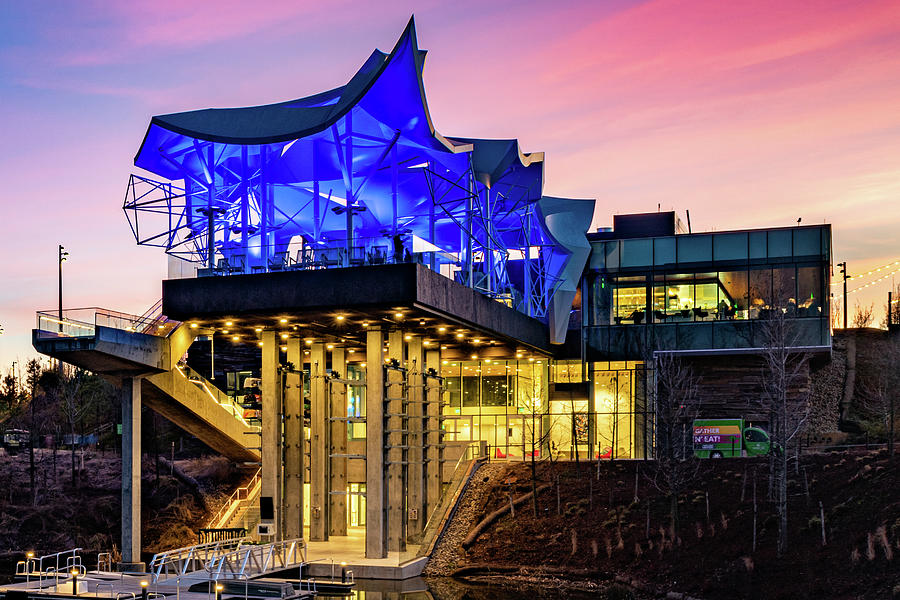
{"type": "Point", "coordinates": [863, 316]}
{"type": "Point", "coordinates": [892, 311]}
{"type": "Point", "coordinates": [784, 368]}
{"type": "Point", "coordinates": [674, 393]}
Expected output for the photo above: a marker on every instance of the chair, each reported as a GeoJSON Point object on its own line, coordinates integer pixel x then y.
{"type": "Point", "coordinates": [236, 264]}
{"type": "Point", "coordinates": [278, 263]}
{"type": "Point", "coordinates": [660, 316]}
{"type": "Point", "coordinates": [700, 313]}
{"type": "Point", "coordinates": [378, 255]}
{"type": "Point", "coordinates": [357, 256]}
{"type": "Point", "coordinates": [330, 258]}
{"type": "Point", "coordinates": [222, 266]}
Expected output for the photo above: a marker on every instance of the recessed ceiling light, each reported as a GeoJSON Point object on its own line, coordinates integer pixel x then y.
{"type": "Point", "coordinates": [284, 348]}
{"type": "Point", "coordinates": [442, 329]}
{"type": "Point", "coordinates": [284, 336]}
{"type": "Point", "coordinates": [229, 323]}
{"type": "Point", "coordinates": [407, 337]}
{"type": "Point", "coordinates": [259, 344]}
{"type": "Point", "coordinates": [236, 338]}
{"type": "Point", "coordinates": [224, 331]}
{"type": "Point", "coordinates": [399, 315]}
{"type": "Point", "coordinates": [258, 330]}
{"type": "Point", "coordinates": [330, 346]}
{"type": "Point", "coordinates": [282, 320]}
{"type": "Point", "coordinates": [460, 335]}
{"type": "Point", "coordinates": [340, 317]}
{"type": "Point", "coordinates": [193, 326]}
{"type": "Point", "coordinates": [308, 342]}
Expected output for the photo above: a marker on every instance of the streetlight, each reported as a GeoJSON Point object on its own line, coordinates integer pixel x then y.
{"type": "Point", "coordinates": [843, 266]}
{"type": "Point", "coordinates": [62, 258]}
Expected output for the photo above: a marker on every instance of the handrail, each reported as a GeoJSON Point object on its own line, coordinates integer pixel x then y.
{"type": "Point", "coordinates": [56, 558]}
{"type": "Point", "coordinates": [226, 512]}
{"type": "Point", "coordinates": [213, 392]}
{"type": "Point", "coordinates": [83, 322]}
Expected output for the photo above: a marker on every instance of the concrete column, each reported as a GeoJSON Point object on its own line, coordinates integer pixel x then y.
{"type": "Point", "coordinates": [271, 494]}
{"type": "Point", "coordinates": [337, 444]}
{"type": "Point", "coordinates": [396, 486]}
{"type": "Point", "coordinates": [318, 420]}
{"type": "Point", "coordinates": [131, 472]}
{"type": "Point", "coordinates": [293, 443]}
{"type": "Point", "coordinates": [375, 517]}
{"type": "Point", "coordinates": [434, 452]}
{"type": "Point", "coordinates": [415, 471]}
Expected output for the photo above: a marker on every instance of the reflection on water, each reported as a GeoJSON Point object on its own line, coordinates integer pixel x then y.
{"type": "Point", "coordinates": [445, 588]}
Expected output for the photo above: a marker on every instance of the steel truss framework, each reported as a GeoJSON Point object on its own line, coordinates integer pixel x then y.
{"type": "Point", "coordinates": [370, 186]}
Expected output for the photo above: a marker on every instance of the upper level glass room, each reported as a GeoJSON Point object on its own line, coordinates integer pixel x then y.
{"type": "Point", "coordinates": [704, 291]}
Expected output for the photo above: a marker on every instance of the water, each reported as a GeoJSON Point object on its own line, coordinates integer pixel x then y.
{"type": "Point", "coordinates": [445, 588]}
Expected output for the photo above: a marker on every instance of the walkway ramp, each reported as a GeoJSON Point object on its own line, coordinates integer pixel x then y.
{"type": "Point", "coordinates": [150, 346]}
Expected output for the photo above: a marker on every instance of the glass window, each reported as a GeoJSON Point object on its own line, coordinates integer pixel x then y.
{"type": "Point", "coordinates": [758, 244]}
{"type": "Point", "coordinates": [452, 387]}
{"type": "Point", "coordinates": [809, 292]}
{"type": "Point", "coordinates": [494, 384]}
{"type": "Point", "coordinates": [733, 286]}
{"type": "Point", "coordinates": [612, 255]}
{"type": "Point", "coordinates": [469, 384]}
{"type": "Point", "coordinates": [598, 255]}
{"type": "Point", "coordinates": [680, 296]}
{"type": "Point", "coordinates": [760, 293]}
{"type": "Point", "coordinates": [730, 246]}
{"type": "Point", "coordinates": [664, 251]}
{"type": "Point", "coordinates": [784, 290]}
{"type": "Point", "coordinates": [807, 241]}
{"type": "Point", "coordinates": [637, 253]}
{"type": "Point", "coordinates": [603, 301]}
{"type": "Point", "coordinates": [706, 296]}
{"type": "Point", "coordinates": [694, 248]}
{"type": "Point", "coordinates": [779, 243]}
{"type": "Point", "coordinates": [631, 300]}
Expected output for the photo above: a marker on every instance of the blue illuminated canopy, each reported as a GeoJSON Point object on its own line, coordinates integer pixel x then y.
{"type": "Point", "coordinates": [353, 176]}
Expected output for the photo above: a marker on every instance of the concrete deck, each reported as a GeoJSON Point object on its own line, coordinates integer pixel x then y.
{"type": "Point", "coordinates": [351, 549]}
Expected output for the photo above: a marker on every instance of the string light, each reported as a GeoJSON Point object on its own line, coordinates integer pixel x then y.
{"type": "Point", "coordinates": [871, 283]}
{"type": "Point", "coordinates": [870, 272]}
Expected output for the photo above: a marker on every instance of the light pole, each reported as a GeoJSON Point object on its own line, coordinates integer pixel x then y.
{"type": "Point", "coordinates": [843, 266]}
{"type": "Point", "coordinates": [62, 258]}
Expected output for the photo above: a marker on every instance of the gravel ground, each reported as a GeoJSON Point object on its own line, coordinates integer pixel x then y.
{"type": "Point", "coordinates": [827, 390]}
{"type": "Point", "coordinates": [448, 554]}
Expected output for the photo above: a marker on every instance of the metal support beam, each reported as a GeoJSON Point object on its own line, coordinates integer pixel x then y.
{"type": "Point", "coordinates": [318, 419]}
{"type": "Point", "coordinates": [338, 445]}
{"type": "Point", "coordinates": [293, 443]}
{"type": "Point", "coordinates": [375, 517]}
{"type": "Point", "coordinates": [270, 494]}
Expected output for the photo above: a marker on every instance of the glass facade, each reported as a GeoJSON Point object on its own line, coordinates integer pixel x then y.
{"type": "Point", "coordinates": [708, 291]}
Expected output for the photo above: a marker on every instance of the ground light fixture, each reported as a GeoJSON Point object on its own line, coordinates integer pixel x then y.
{"type": "Point", "coordinates": [29, 566]}
{"type": "Point", "coordinates": [145, 591]}
{"type": "Point", "coordinates": [219, 588]}
{"type": "Point", "coordinates": [74, 582]}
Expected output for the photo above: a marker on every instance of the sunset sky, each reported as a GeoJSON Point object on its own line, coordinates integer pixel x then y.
{"type": "Point", "coordinates": [749, 114]}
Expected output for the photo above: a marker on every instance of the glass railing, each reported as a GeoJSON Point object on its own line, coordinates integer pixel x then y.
{"type": "Point", "coordinates": [83, 322]}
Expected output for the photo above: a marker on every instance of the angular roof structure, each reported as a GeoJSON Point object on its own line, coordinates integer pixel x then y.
{"type": "Point", "coordinates": [357, 175]}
